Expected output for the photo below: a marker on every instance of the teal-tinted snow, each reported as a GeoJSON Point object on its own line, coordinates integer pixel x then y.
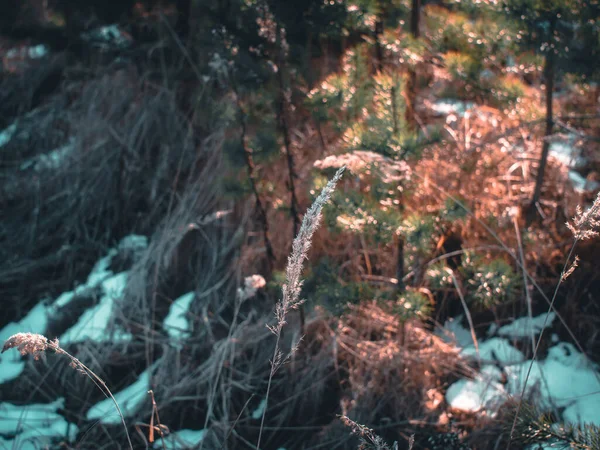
{"type": "Point", "coordinates": [584, 410]}
{"type": "Point", "coordinates": [40, 438]}
{"type": "Point", "coordinates": [37, 51]}
{"type": "Point", "coordinates": [447, 106]}
{"type": "Point", "coordinates": [135, 242]}
{"type": "Point", "coordinates": [181, 439]}
{"type": "Point", "coordinates": [483, 392]}
{"type": "Point", "coordinates": [524, 327]}
{"type": "Point", "coordinates": [34, 52]}
{"type": "Point", "coordinates": [581, 184]}
{"type": "Point", "coordinates": [33, 426]}
{"type": "Point", "coordinates": [94, 324]}
{"type": "Point", "coordinates": [564, 379]}
{"type": "Point", "coordinates": [129, 399]}
{"type": "Point", "coordinates": [98, 274]}
{"type": "Point", "coordinates": [11, 366]}
{"type": "Point", "coordinates": [176, 324]}
{"type": "Point", "coordinates": [7, 134]}
{"type": "Point", "coordinates": [36, 321]}
{"type": "Point", "coordinates": [48, 161]}
{"type": "Point", "coordinates": [258, 412]}
{"type": "Point", "coordinates": [567, 154]}
{"type": "Point", "coordinates": [101, 270]}
{"type": "Point", "coordinates": [455, 333]}
{"type": "Point", "coordinates": [495, 350]}
{"type": "Point", "coordinates": [41, 422]}
{"type": "Point", "coordinates": [11, 362]}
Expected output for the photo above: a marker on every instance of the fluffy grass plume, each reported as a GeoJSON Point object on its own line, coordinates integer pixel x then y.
{"type": "Point", "coordinates": [293, 283]}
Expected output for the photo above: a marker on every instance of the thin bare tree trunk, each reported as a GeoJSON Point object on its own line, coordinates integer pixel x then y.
{"type": "Point", "coordinates": [282, 115]}
{"type": "Point", "coordinates": [400, 264]}
{"type": "Point", "coordinates": [549, 81]}
{"type": "Point", "coordinates": [411, 79]}
{"type": "Point", "coordinates": [378, 34]}
{"type": "Point", "coordinates": [250, 166]}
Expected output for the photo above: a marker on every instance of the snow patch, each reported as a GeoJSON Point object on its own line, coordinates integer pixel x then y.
{"type": "Point", "coordinates": [445, 107]}
{"type": "Point", "coordinates": [7, 134]}
{"type": "Point", "coordinates": [258, 412]}
{"type": "Point", "coordinates": [36, 321]}
{"type": "Point", "coordinates": [34, 426]}
{"type": "Point", "coordinates": [524, 327]}
{"type": "Point", "coordinates": [581, 184]}
{"type": "Point", "coordinates": [454, 332]}
{"type": "Point", "coordinates": [181, 439]}
{"type": "Point", "coordinates": [483, 392]}
{"type": "Point", "coordinates": [101, 271]}
{"type": "Point", "coordinates": [12, 366]}
{"type": "Point", "coordinates": [129, 399]}
{"type": "Point", "coordinates": [135, 242]}
{"type": "Point", "coordinates": [557, 382]}
{"type": "Point", "coordinates": [565, 379]}
{"type": "Point", "coordinates": [48, 161]}
{"type": "Point", "coordinates": [108, 36]}
{"type": "Point", "coordinates": [567, 154]}
{"type": "Point", "coordinates": [495, 350]}
{"type": "Point", "coordinates": [176, 324]}
{"type": "Point", "coordinates": [94, 323]}
{"type": "Point", "coordinates": [35, 52]}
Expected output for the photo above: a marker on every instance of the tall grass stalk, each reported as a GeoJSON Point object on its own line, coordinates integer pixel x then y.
{"type": "Point", "coordinates": [290, 299]}
{"type": "Point", "coordinates": [584, 226]}
{"type": "Point", "coordinates": [525, 281]}
{"type": "Point", "coordinates": [36, 345]}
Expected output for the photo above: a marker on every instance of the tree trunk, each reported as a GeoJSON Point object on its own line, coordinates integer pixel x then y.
{"type": "Point", "coordinates": [400, 265]}
{"type": "Point", "coordinates": [378, 48]}
{"type": "Point", "coordinates": [378, 33]}
{"type": "Point", "coordinates": [260, 209]}
{"type": "Point", "coordinates": [411, 79]}
{"type": "Point", "coordinates": [282, 116]}
{"type": "Point", "coordinates": [415, 16]}
{"type": "Point", "coordinates": [184, 16]}
{"type": "Point", "coordinates": [400, 287]}
{"type": "Point", "coordinates": [549, 81]}
{"type": "Point", "coordinates": [249, 159]}
{"type": "Point", "coordinates": [409, 115]}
